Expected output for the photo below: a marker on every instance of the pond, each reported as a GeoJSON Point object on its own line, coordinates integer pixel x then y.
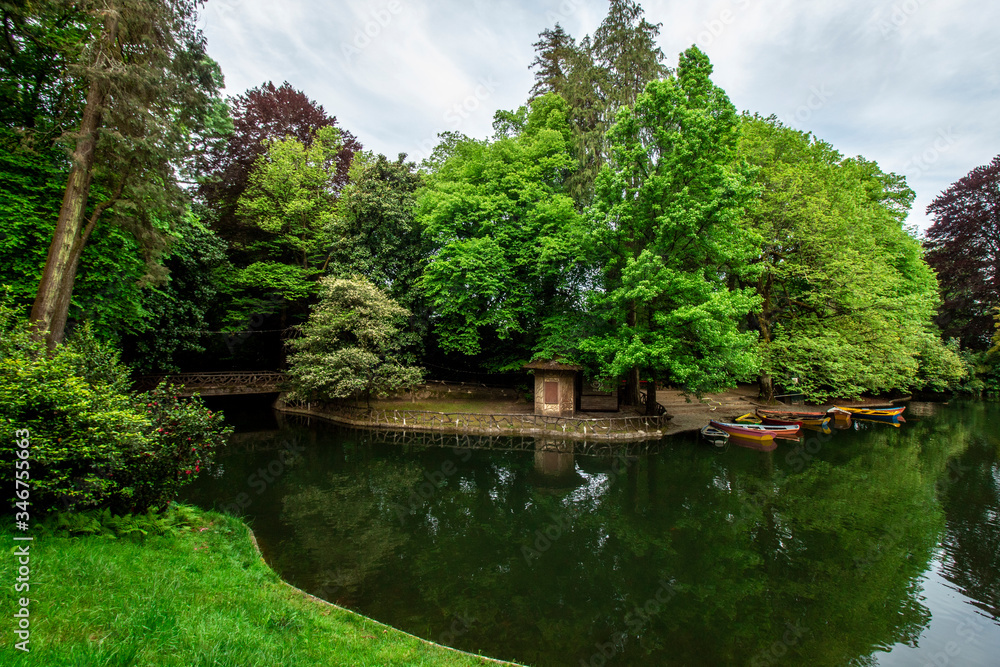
{"type": "Point", "coordinates": [873, 545]}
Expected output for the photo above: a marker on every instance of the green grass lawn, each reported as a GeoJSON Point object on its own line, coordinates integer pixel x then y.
{"type": "Point", "coordinates": [198, 596]}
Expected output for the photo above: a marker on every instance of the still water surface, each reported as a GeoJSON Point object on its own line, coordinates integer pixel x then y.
{"type": "Point", "coordinates": [874, 545]}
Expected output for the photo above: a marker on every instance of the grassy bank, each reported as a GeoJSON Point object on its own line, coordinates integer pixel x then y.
{"type": "Point", "coordinates": [199, 595]}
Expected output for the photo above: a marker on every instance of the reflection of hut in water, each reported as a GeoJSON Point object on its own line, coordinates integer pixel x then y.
{"type": "Point", "coordinates": [558, 388]}
{"type": "Point", "coordinates": [555, 465]}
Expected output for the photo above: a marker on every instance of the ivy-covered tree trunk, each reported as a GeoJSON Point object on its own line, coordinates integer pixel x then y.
{"type": "Point", "coordinates": [51, 307]}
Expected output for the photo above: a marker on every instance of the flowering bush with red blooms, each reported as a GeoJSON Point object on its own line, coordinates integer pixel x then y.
{"type": "Point", "coordinates": [182, 440]}
{"type": "Point", "coordinates": [94, 443]}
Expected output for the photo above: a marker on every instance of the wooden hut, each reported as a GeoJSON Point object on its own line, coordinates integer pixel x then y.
{"type": "Point", "coordinates": [558, 388]}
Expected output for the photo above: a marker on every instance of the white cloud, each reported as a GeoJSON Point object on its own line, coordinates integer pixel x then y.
{"type": "Point", "coordinates": [882, 80]}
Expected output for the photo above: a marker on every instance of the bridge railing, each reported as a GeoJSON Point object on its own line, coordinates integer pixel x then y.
{"type": "Point", "coordinates": [245, 379]}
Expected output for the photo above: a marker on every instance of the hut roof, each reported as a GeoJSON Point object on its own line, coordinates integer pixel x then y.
{"type": "Point", "coordinates": [551, 366]}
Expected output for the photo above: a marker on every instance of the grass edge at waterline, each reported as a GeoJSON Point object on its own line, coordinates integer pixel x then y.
{"type": "Point", "coordinates": [198, 595]}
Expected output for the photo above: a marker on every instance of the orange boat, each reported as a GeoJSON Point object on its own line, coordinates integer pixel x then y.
{"type": "Point", "coordinates": [756, 432]}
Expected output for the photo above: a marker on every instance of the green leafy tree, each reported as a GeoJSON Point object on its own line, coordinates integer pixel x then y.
{"type": "Point", "coordinates": [150, 93]}
{"type": "Point", "coordinates": [503, 238]}
{"type": "Point", "coordinates": [290, 199]}
{"type": "Point", "coordinates": [846, 299]}
{"type": "Point", "coordinates": [259, 117]}
{"type": "Point", "coordinates": [597, 77]}
{"type": "Point", "coordinates": [374, 233]}
{"type": "Point", "coordinates": [108, 290]}
{"type": "Point", "coordinates": [291, 195]}
{"type": "Point", "coordinates": [351, 345]}
{"type": "Point", "coordinates": [42, 41]}
{"type": "Point", "coordinates": [182, 309]}
{"type": "Point", "coordinates": [669, 242]}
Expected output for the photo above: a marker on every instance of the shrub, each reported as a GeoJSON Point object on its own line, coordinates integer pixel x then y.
{"type": "Point", "coordinates": [94, 444]}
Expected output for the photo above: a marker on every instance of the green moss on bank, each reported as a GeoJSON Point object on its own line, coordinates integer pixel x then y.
{"type": "Point", "coordinates": [198, 596]}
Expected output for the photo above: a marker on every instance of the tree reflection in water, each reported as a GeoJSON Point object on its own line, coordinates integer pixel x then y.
{"type": "Point", "coordinates": [677, 557]}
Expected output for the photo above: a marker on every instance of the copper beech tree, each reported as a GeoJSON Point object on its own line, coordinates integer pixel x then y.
{"type": "Point", "coordinates": [151, 91]}
{"type": "Point", "coordinates": [963, 246]}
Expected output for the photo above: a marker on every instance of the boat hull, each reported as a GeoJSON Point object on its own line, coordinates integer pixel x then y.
{"type": "Point", "coordinates": [714, 436]}
{"type": "Point", "coordinates": [746, 431]}
{"type": "Point", "coordinates": [869, 413]}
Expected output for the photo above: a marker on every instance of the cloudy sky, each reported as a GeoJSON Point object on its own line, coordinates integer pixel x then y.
{"type": "Point", "coordinates": [911, 84]}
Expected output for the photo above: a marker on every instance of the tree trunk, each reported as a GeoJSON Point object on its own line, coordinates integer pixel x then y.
{"type": "Point", "coordinates": [631, 396]}
{"type": "Point", "coordinates": [766, 384]}
{"type": "Point", "coordinates": [651, 404]}
{"type": "Point", "coordinates": [51, 307]}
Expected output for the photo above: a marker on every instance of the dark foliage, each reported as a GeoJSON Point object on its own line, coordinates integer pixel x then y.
{"type": "Point", "coordinates": [259, 115]}
{"type": "Point", "coordinates": [963, 246]}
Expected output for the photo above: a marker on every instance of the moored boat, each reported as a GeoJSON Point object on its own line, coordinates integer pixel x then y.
{"type": "Point", "coordinates": [789, 414]}
{"type": "Point", "coordinates": [757, 432]}
{"type": "Point", "coordinates": [756, 445]}
{"type": "Point", "coordinates": [818, 420]}
{"type": "Point", "coordinates": [873, 412]}
{"type": "Point", "coordinates": [714, 435]}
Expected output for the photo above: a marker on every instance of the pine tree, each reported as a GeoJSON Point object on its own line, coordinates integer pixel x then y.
{"type": "Point", "coordinates": [625, 50]}
{"type": "Point", "coordinates": [597, 77]}
{"type": "Point", "coordinates": [555, 53]}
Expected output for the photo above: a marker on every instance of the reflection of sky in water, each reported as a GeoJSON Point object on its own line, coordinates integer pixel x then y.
{"type": "Point", "coordinates": [955, 637]}
{"type": "Point", "coordinates": [595, 486]}
{"type": "Point", "coordinates": [754, 542]}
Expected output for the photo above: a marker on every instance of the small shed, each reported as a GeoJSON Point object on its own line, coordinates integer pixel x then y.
{"type": "Point", "coordinates": [558, 387]}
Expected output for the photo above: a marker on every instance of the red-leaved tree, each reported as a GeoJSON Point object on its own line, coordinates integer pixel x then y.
{"type": "Point", "coordinates": [259, 115]}
{"type": "Point", "coordinates": [963, 246]}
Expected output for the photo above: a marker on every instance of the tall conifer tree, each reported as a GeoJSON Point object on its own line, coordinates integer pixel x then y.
{"type": "Point", "coordinates": [150, 90]}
